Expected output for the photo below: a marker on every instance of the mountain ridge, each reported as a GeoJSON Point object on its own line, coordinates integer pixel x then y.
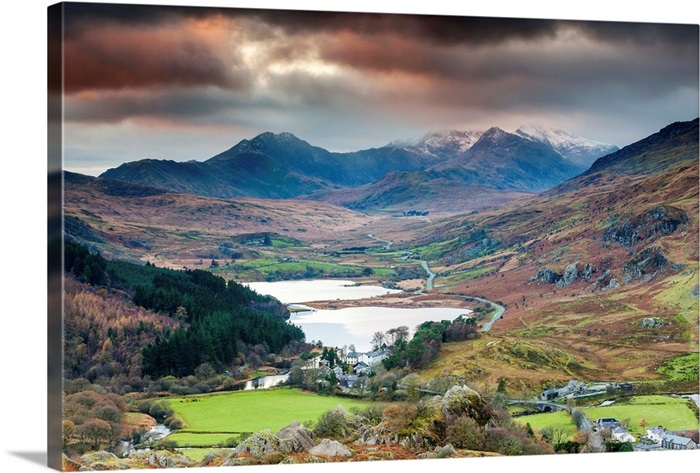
{"type": "Point", "coordinates": [283, 166]}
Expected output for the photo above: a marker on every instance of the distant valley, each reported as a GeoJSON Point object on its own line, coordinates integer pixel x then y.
{"type": "Point", "coordinates": [578, 261]}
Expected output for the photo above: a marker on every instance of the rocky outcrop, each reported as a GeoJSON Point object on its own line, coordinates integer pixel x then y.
{"type": "Point", "coordinates": [330, 448]}
{"type": "Point", "coordinates": [651, 322]}
{"type": "Point", "coordinates": [588, 271]}
{"type": "Point", "coordinates": [263, 443]}
{"type": "Point", "coordinates": [645, 265]}
{"type": "Point", "coordinates": [101, 461]}
{"type": "Point", "coordinates": [448, 451]}
{"type": "Point", "coordinates": [300, 437]}
{"type": "Point", "coordinates": [570, 275]}
{"type": "Point", "coordinates": [162, 459]}
{"type": "Point", "coordinates": [656, 222]}
{"type": "Point", "coordinates": [612, 284]}
{"type": "Point", "coordinates": [461, 401]}
{"type": "Point", "coordinates": [546, 275]}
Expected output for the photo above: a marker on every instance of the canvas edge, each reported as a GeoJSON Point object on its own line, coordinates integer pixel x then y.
{"type": "Point", "coordinates": [55, 235]}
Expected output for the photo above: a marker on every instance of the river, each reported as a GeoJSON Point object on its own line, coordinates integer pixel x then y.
{"type": "Point", "coordinates": [353, 325]}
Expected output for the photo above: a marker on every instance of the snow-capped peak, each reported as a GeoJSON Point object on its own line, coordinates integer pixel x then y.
{"type": "Point", "coordinates": [576, 149]}
{"type": "Point", "coordinates": [440, 143]}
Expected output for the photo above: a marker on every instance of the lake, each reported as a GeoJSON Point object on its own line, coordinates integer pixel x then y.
{"type": "Point", "coordinates": [353, 325]}
{"type": "Point", "coordinates": [291, 292]}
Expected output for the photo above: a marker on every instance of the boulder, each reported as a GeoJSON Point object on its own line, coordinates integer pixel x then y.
{"type": "Point", "coordinates": [100, 461]}
{"type": "Point", "coordinates": [163, 459]}
{"type": "Point", "coordinates": [263, 443]}
{"type": "Point", "coordinates": [546, 275]}
{"type": "Point", "coordinates": [300, 437]}
{"type": "Point", "coordinates": [570, 275]}
{"type": "Point", "coordinates": [461, 401]}
{"type": "Point", "coordinates": [587, 272]}
{"type": "Point", "coordinates": [330, 448]}
{"type": "Point", "coordinates": [650, 322]}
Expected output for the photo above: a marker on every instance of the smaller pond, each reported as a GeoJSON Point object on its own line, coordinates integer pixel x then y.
{"type": "Point", "coordinates": [265, 382]}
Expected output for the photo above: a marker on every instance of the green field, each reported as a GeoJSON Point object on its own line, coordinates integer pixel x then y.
{"type": "Point", "coordinates": [198, 454]}
{"type": "Point", "coordinates": [549, 419]}
{"type": "Point", "coordinates": [682, 368]}
{"type": "Point", "coordinates": [672, 413]}
{"type": "Point", "coordinates": [213, 418]}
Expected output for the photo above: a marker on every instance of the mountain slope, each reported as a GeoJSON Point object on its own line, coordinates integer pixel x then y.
{"type": "Point", "coordinates": [507, 161]}
{"type": "Point", "coordinates": [583, 266]}
{"type": "Point", "coordinates": [497, 168]}
{"type": "Point", "coordinates": [674, 146]}
{"type": "Point", "coordinates": [580, 151]}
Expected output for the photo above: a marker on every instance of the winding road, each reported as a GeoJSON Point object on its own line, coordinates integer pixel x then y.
{"type": "Point", "coordinates": [431, 278]}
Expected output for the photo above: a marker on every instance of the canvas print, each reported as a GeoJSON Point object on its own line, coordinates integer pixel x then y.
{"type": "Point", "coordinates": [289, 237]}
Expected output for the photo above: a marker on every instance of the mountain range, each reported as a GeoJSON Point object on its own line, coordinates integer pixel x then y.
{"type": "Point", "coordinates": [455, 170]}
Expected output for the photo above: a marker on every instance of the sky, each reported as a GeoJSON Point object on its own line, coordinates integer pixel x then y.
{"type": "Point", "coordinates": [186, 83]}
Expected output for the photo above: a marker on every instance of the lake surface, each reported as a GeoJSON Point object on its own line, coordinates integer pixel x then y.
{"type": "Point", "coordinates": [356, 325]}
{"type": "Point", "coordinates": [353, 325]}
{"type": "Point", "coordinates": [290, 292]}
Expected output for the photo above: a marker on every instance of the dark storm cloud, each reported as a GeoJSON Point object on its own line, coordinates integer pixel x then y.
{"type": "Point", "coordinates": [115, 59]}
{"type": "Point", "coordinates": [167, 105]}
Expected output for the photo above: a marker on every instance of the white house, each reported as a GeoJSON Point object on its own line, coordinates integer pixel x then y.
{"type": "Point", "coordinates": [656, 434]}
{"type": "Point", "coordinates": [621, 435]}
{"type": "Point", "coordinates": [374, 357]}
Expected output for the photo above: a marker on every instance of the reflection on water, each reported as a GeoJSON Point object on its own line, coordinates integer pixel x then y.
{"type": "Point", "coordinates": [357, 325]}
{"type": "Point", "coordinates": [290, 292]}
{"type": "Point", "coordinates": [350, 326]}
{"type": "Point", "coordinates": [265, 382]}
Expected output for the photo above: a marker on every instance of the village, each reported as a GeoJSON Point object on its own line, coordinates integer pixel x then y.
{"type": "Point", "coordinates": [351, 369]}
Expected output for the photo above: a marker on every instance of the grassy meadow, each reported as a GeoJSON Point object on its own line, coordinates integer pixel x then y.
{"type": "Point", "coordinates": [213, 418]}
{"type": "Point", "coordinates": [670, 412]}
{"type": "Point", "coordinates": [549, 419]}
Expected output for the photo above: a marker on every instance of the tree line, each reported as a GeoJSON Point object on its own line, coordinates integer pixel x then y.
{"type": "Point", "coordinates": [217, 318]}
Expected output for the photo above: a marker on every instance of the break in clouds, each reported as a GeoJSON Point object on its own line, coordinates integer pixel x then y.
{"type": "Point", "coordinates": [350, 80]}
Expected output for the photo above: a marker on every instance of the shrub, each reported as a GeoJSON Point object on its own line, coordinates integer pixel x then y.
{"type": "Point", "coordinates": [464, 432]}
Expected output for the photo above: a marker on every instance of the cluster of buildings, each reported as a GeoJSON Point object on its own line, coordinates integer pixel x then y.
{"type": "Point", "coordinates": [617, 431]}
{"type": "Point", "coordinates": [360, 364]}
{"type": "Point", "coordinates": [657, 438]}
{"type": "Point", "coordinates": [667, 440]}
{"type": "Point", "coordinates": [580, 389]}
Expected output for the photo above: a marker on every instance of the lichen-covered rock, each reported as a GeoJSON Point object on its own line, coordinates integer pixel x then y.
{"type": "Point", "coordinates": [461, 401]}
{"type": "Point", "coordinates": [213, 458]}
{"type": "Point", "coordinates": [163, 459]}
{"type": "Point", "coordinates": [587, 271]}
{"type": "Point", "coordinates": [645, 264]}
{"type": "Point", "coordinates": [240, 461]}
{"type": "Point", "coordinates": [570, 275]}
{"type": "Point", "coordinates": [447, 451]}
{"type": "Point", "coordinates": [656, 222]}
{"type": "Point", "coordinates": [612, 284]}
{"type": "Point", "coordinates": [330, 448]}
{"type": "Point", "coordinates": [546, 275]}
{"type": "Point", "coordinates": [68, 464]}
{"type": "Point", "coordinates": [650, 322]}
{"type": "Point", "coordinates": [263, 443]}
{"type": "Point", "coordinates": [101, 461]}
{"type": "Point", "coordinates": [300, 437]}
